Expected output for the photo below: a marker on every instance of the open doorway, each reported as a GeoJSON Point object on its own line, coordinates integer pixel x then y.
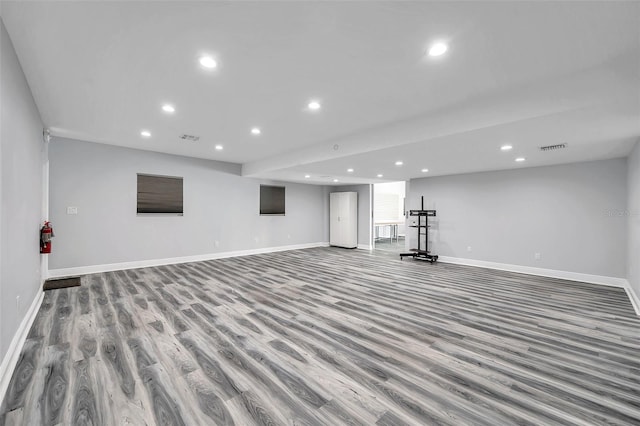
{"type": "Point", "coordinates": [388, 216]}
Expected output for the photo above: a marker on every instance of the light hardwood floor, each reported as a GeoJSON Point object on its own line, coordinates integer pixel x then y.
{"type": "Point", "coordinates": [328, 336]}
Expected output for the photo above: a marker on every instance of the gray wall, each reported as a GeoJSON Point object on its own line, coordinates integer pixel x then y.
{"type": "Point", "coordinates": [221, 208]}
{"type": "Point", "coordinates": [562, 212]}
{"type": "Point", "coordinates": [633, 209]}
{"type": "Point", "coordinates": [364, 210]}
{"type": "Point", "coordinates": [22, 156]}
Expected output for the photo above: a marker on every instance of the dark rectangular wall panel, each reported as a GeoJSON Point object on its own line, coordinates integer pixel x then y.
{"type": "Point", "coordinates": [159, 194]}
{"type": "Point", "coordinates": [272, 200]}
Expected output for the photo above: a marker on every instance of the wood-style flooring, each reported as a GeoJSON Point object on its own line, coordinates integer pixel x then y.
{"type": "Point", "coordinates": [328, 336]}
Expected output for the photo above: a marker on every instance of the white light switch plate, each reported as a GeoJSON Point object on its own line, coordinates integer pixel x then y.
{"type": "Point", "coordinates": [72, 210]}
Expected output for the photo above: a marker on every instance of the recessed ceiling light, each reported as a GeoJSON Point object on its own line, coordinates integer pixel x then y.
{"type": "Point", "coordinates": [379, 176]}
{"type": "Point", "coordinates": [506, 147]}
{"type": "Point", "coordinates": [424, 170]}
{"type": "Point", "coordinates": [314, 105]}
{"type": "Point", "coordinates": [208, 62]}
{"type": "Point", "coordinates": [219, 147]}
{"type": "Point", "coordinates": [307, 176]}
{"type": "Point", "coordinates": [349, 170]}
{"type": "Point", "coordinates": [335, 180]}
{"type": "Point", "coordinates": [520, 159]}
{"type": "Point", "coordinates": [256, 131]}
{"type": "Point", "coordinates": [437, 49]}
{"type": "Point", "coordinates": [145, 133]}
{"type": "Point", "coordinates": [168, 108]}
{"type": "Point", "coordinates": [399, 163]}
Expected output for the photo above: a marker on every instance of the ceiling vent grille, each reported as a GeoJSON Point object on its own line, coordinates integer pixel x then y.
{"type": "Point", "coordinates": [553, 147]}
{"type": "Point", "coordinates": [191, 138]}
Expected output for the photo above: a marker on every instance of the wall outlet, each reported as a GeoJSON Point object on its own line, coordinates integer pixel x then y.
{"type": "Point", "coordinates": [216, 243]}
{"type": "Point", "coordinates": [537, 256]}
{"type": "Point", "coordinates": [289, 236]}
{"type": "Point", "coordinates": [72, 210]}
{"type": "Point", "coordinates": [469, 248]}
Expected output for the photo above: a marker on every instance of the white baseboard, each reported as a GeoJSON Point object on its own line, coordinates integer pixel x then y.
{"type": "Point", "coordinates": [365, 247]}
{"type": "Point", "coordinates": [10, 359]}
{"type": "Point", "coordinates": [94, 269]}
{"type": "Point", "coordinates": [633, 297]}
{"type": "Point", "coordinates": [551, 273]}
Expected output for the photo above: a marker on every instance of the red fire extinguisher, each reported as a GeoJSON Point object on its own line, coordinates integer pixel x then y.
{"type": "Point", "coordinates": [46, 233]}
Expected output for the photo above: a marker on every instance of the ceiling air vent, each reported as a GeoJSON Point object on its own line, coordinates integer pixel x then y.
{"type": "Point", "coordinates": [553, 147]}
{"type": "Point", "coordinates": [191, 138]}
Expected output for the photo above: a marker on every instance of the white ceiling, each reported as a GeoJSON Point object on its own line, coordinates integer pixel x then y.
{"type": "Point", "coordinates": [523, 73]}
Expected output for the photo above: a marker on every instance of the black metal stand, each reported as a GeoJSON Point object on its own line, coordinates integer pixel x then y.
{"type": "Point", "coordinates": [419, 253]}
